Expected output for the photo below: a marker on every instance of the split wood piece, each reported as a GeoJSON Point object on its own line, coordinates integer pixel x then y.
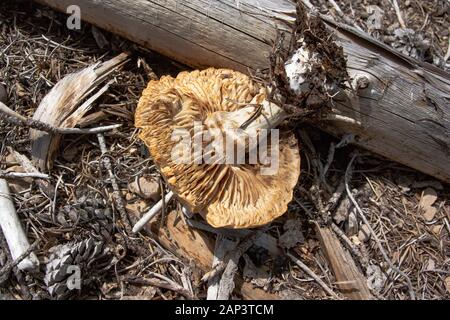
{"type": "Point", "coordinates": [12, 230]}
{"type": "Point", "coordinates": [61, 106]}
{"type": "Point", "coordinates": [190, 244]}
{"type": "Point", "coordinates": [401, 113]}
{"type": "Point", "coordinates": [92, 118]}
{"type": "Point", "coordinates": [222, 247]}
{"type": "Point", "coordinates": [350, 281]}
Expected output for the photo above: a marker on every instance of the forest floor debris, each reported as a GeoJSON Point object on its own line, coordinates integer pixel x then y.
{"type": "Point", "coordinates": [408, 212]}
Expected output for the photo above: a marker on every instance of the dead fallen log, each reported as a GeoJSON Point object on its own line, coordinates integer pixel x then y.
{"type": "Point", "coordinates": [399, 108]}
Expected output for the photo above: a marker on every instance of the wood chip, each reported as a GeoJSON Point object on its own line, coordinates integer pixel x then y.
{"type": "Point", "coordinates": [429, 197]}
{"type": "Point", "coordinates": [146, 188]}
{"type": "Point", "coordinates": [430, 213]}
{"type": "Point", "coordinates": [447, 284]}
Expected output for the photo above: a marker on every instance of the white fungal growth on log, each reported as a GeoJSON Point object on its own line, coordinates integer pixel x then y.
{"type": "Point", "coordinates": [298, 67]}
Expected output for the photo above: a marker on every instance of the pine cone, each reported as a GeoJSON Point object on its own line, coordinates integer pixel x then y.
{"type": "Point", "coordinates": [69, 264]}
{"type": "Point", "coordinates": [89, 212]}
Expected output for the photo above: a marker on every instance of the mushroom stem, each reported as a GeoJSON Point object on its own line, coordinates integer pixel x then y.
{"type": "Point", "coordinates": [151, 213]}
{"type": "Point", "coordinates": [246, 127]}
{"type": "Point", "coordinates": [269, 117]}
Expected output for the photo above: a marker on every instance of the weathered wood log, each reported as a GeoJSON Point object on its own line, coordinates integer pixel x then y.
{"type": "Point", "coordinates": [402, 112]}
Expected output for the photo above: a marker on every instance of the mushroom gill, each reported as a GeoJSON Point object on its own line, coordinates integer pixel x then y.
{"type": "Point", "coordinates": [227, 194]}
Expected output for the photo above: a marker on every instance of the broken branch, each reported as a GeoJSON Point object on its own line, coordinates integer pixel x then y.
{"type": "Point", "coordinates": [12, 230]}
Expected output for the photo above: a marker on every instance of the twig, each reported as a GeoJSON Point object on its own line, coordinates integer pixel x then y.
{"type": "Point", "coordinates": [308, 4]}
{"type": "Point", "coordinates": [7, 268]}
{"type": "Point", "coordinates": [399, 14]}
{"type": "Point", "coordinates": [152, 212]}
{"type": "Point", "coordinates": [169, 285]}
{"type": "Point", "coordinates": [341, 118]}
{"type": "Point", "coordinates": [17, 119]}
{"type": "Point", "coordinates": [311, 273]}
{"type": "Point", "coordinates": [346, 139]}
{"type": "Point", "coordinates": [116, 191]}
{"type": "Point", "coordinates": [342, 15]}
{"type": "Point", "coordinates": [372, 232]}
{"type": "Point", "coordinates": [336, 7]}
{"type": "Point", "coordinates": [36, 175]}
{"type": "Point", "coordinates": [354, 249]}
{"type": "Point", "coordinates": [186, 276]}
{"type": "Point", "coordinates": [12, 230]}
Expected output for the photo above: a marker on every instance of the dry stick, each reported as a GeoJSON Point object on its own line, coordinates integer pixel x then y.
{"type": "Point", "coordinates": [311, 273]}
{"type": "Point", "coordinates": [169, 285]}
{"type": "Point", "coordinates": [152, 212]}
{"type": "Point", "coordinates": [36, 175]}
{"type": "Point", "coordinates": [13, 231]}
{"type": "Point", "coordinates": [17, 119]}
{"type": "Point", "coordinates": [116, 191]}
{"type": "Point", "coordinates": [81, 110]}
{"type": "Point", "coordinates": [7, 268]}
{"type": "Point", "coordinates": [308, 4]}
{"type": "Point", "coordinates": [399, 14]}
{"type": "Point", "coordinates": [354, 249]}
{"type": "Point", "coordinates": [346, 139]}
{"type": "Point", "coordinates": [348, 174]}
{"type": "Point", "coordinates": [336, 7]}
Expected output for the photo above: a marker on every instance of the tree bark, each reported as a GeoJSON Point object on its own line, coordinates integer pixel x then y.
{"type": "Point", "coordinates": [403, 113]}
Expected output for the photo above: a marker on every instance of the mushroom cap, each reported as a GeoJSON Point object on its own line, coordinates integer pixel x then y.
{"type": "Point", "coordinates": [226, 195]}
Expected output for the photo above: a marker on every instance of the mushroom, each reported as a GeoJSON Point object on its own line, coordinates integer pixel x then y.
{"type": "Point", "coordinates": [227, 191]}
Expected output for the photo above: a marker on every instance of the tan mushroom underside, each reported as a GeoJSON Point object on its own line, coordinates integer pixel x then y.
{"type": "Point", "coordinates": [235, 196]}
